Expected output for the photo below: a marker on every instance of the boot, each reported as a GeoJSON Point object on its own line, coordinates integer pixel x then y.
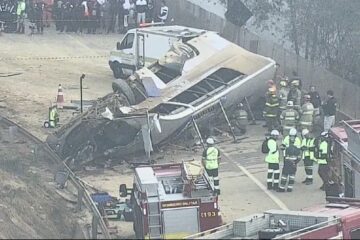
{"type": "Point", "coordinates": [280, 190]}
{"type": "Point", "coordinates": [269, 186]}
{"type": "Point", "coordinates": [309, 182]}
{"type": "Point", "coordinates": [289, 190]}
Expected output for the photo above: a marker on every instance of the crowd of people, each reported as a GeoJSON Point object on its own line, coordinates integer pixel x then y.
{"type": "Point", "coordinates": [292, 114]}
{"type": "Point", "coordinates": [90, 16]}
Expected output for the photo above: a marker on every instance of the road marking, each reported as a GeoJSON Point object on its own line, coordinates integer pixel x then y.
{"type": "Point", "coordinates": [275, 199]}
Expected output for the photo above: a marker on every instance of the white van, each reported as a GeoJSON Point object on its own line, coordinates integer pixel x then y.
{"type": "Point", "coordinates": [142, 46]}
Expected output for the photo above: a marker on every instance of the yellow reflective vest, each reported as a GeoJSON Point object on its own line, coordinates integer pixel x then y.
{"type": "Point", "coordinates": [323, 149]}
{"type": "Point", "coordinates": [309, 144]}
{"type": "Point", "coordinates": [212, 158]}
{"type": "Point", "coordinates": [273, 156]}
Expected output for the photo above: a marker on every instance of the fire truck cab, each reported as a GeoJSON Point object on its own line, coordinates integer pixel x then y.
{"type": "Point", "coordinates": [345, 166]}
{"type": "Point", "coordinates": [173, 201]}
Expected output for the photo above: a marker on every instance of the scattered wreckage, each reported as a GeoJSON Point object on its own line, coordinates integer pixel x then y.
{"type": "Point", "coordinates": [193, 82]}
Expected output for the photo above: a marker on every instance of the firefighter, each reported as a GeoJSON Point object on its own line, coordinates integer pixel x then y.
{"type": "Point", "coordinates": [240, 120]}
{"type": "Point", "coordinates": [308, 148]}
{"type": "Point", "coordinates": [53, 116]}
{"type": "Point", "coordinates": [210, 159]}
{"type": "Point", "coordinates": [315, 99]}
{"type": "Point", "coordinates": [283, 94]}
{"type": "Point", "coordinates": [289, 118]}
{"type": "Point", "coordinates": [322, 155]}
{"type": "Point", "coordinates": [295, 94]}
{"type": "Point", "coordinates": [273, 159]}
{"type": "Point", "coordinates": [329, 111]}
{"type": "Point", "coordinates": [271, 109]}
{"type": "Point", "coordinates": [307, 114]}
{"type": "Point", "coordinates": [291, 146]}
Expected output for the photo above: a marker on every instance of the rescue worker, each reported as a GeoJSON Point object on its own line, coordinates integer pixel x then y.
{"type": "Point", "coordinates": [240, 120]}
{"type": "Point", "coordinates": [210, 159]}
{"type": "Point", "coordinates": [307, 114]}
{"type": "Point", "coordinates": [273, 160]}
{"type": "Point", "coordinates": [271, 84]}
{"type": "Point", "coordinates": [289, 118]}
{"type": "Point", "coordinates": [271, 109]}
{"type": "Point", "coordinates": [308, 149]}
{"type": "Point", "coordinates": [292, 154]}
{"type": "Point", "coordinates": [21, 16]}
{"type": "Point", "coordinates": [315, 99]}
{"type": "Point", "coordinates": [53, 116]}
{"type": "Point", "coordinates": [323, 155]}
{"type": "Point", "coordinates": [329, 111]}
{"type": "Point", "coordinates": [295, 94]}
{"type": "Point", "coordinates": [283, 94]}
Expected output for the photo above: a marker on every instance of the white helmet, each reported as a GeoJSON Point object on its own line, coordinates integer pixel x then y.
{"type": "Point", "coordinates": [304, 132]}
{"type": "Point", "coordinates": [292, 132]}
{"type": "Point", "coordinates": [290, 104]}
{"type": "Point", "coordinates": [324, 134]}
{"type": "Point", "coordinates": [210, 141]}
{"type": "Point", "coordinates": [274, 133]}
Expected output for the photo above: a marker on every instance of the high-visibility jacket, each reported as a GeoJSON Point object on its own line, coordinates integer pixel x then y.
{"type": "Point", "coordinates": [283, 95]}
{"type": "Point", "coordinates": [271, 106]}
{"type": "Point", "coordinates": [20, 8]}
{"type": "Point", "coordinates": [309, 147]}
{"type": "Point", "coordinates": [297, 142]}
{"type": "Point", "coordinates": [323, 150]}
{"type": "Point", "coordinates": [273, 156]}
{"type": "Point", "coordinates": [211, 158]}
{"type": "Point", "coordinates": [289, 118]}
{"type": "Point", "coordinates": [52, 115]}
{"type": "Point", "coordinates": [307, 114]}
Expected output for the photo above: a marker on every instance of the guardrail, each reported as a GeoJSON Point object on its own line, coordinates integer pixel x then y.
{"type": "Point", "coordinates": [83, 194]}
{"type": "Point", "coordinates": [223, 231]}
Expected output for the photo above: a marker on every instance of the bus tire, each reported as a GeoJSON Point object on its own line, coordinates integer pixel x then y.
{"type": "Point", "coordinates": [121, 87]}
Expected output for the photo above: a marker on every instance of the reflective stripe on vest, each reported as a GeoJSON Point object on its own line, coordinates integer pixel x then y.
{"type": "Point", "coordinates": [309, 143]}
{"type": "Point", "coordinates": [212, 155]}
{"type": "Point", "coordinates": [323, 148]}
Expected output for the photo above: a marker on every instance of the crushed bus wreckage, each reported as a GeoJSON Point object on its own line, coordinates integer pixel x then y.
{"type": "Point", "coordinates": [193, 82]}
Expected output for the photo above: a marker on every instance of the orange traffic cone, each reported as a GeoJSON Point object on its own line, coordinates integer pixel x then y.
{"type": "Point", "coordinates": [60, 98]}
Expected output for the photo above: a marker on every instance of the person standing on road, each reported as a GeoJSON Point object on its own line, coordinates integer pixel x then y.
{"type": "Point", "coordinates": [289, 118]}
{"type": "Point", "coordinates": [271, 109]}
{"type": "Point", "coordinates": [315, 99]}
{"type": "Point", "coordinates": [210, 159]}
{"type": "Point", "coordinates": [283, 94]}
{"type": "Point", "coordinates": [21, 16]}
{"type": "Point", "coordinates": [329, 109]}
{"type": "Point", "coordinates": [240, 120]}
{"type": "Point", "coordinates": [112, 16]}
{"type": "Point", "coordinates": [295, 94]}
{"type": "Point", "coordinates": [164, 12]}
{"type": "Point", "coordinates": [273, 159]}
{"type": "Point", "coordinates": [39, 18]}
{"type": "Point", "coordinates": [121, 15]}
{"type": "Point", "coordinates": [322, 154]}
{"type": "Point", "coordinates": [307, 114]}
{"type": "Point", "coordinates": [141, 8]}
{"type": "Point", "coordinates": [308, 156]}
{"type": "Point", "coordinates": [292, 154]}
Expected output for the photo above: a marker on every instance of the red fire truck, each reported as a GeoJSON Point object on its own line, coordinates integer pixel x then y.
{"type": "Point", "coordinates": [345, 164]}
{"type": "Point", "coordinates": [339, 219]}
{"type": "Point", "coordinates": [172, 201]}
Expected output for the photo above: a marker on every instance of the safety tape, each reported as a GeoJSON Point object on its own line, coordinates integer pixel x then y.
{"type": "Point", "coordinates": [51, 58]}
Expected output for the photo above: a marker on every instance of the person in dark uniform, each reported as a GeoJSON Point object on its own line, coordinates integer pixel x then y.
{"type": "Point", "coordinates": [329, 109]}
{"type": "Point", "coordinates": [112, 17]}
{"type": "Point", "coordinates": [39, 18]}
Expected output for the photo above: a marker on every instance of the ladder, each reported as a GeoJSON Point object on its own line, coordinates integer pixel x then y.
{"type": "Point", "coordinates": [154, 220]}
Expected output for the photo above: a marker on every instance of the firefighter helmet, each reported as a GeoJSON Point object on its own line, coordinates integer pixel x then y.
{"type": "Point", "coordinates": [304, 132]}
{"type": "Point", "coordinates": [210, 141]}
{"type": "Point", "coordinates": [293, 132]}
{"type": "Point", "coordinates": [270, 82]}
{"type": "Point", "coordinates": [295, 82]}
{"type": "Point", "coordinates": [324, 134]}
{"type": "Point", "coordinates": [274, 133]}
{"type": "Point", "coordinates": [283, 83]}
{"type": "Point", "coordinates": [290, 104]}
{"type": "Point", "coordinates": [307, 97]}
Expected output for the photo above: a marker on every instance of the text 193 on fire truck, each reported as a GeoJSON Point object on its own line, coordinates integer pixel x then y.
{"type": "Point", "coordinates": [172, 200]}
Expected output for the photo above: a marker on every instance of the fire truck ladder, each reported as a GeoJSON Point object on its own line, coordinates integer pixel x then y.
{"type": "Point", "coordinates": [154, 220]}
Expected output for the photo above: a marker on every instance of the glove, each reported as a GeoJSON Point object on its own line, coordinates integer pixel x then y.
{"type": "Point", "coordinates": [303, 148]}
